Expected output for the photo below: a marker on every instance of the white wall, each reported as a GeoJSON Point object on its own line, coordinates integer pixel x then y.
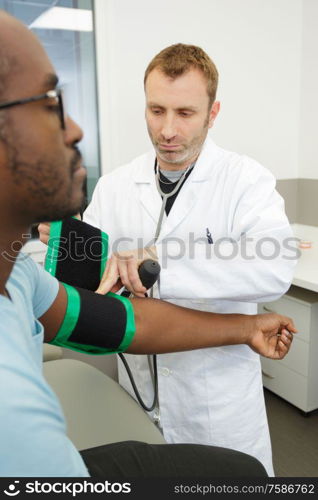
{"type": "Point", "coordinates": [308, 151]}
{"type": "Point", "coordinates": [257, 47]}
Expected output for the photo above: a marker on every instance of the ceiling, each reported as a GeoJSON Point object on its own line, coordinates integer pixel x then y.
{"type": "Point", "coordinates": [61, 45]}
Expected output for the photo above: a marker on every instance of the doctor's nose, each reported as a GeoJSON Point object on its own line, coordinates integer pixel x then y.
{"type": "Point", "coordinates": [168, 129]}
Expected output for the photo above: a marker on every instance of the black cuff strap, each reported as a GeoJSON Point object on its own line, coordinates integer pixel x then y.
{"type": "Point", "coordinates": [96, 324]}
{"type": "Point", "coordinates": [77, 253]}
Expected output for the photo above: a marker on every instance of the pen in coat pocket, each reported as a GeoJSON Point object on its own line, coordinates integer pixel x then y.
{"type": "Point", "coordinates": [209, 236]}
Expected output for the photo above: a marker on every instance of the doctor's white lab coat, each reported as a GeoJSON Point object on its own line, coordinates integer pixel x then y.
{"type": "Point", "coordinates": [224, 247]}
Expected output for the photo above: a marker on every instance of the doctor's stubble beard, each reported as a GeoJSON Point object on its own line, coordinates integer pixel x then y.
{"type": "Point", "coordinates": [189, 152]}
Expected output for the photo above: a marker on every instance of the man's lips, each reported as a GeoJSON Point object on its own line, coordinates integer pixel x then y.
{"type": "Point", "coordinates": [169, 146]}
{"type": "Point", "coordinates": [77, 161]}
{"type": "Point", "coordinates": [77, 166]}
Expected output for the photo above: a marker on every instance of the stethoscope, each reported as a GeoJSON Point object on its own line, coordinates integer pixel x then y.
{"type": "Point", "coordinates": [152, 358]}
{"type": "Point", "coordinates": [166, 196]}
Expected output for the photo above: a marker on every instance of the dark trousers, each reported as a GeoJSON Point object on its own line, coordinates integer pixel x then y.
{"type": "Point", "coordinates": [133, 459]}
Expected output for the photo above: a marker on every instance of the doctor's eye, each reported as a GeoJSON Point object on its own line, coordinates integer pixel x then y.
{"type": "Point", "coordinates": [185, 114]}
{"type": "Point", "coordinates": [156, 111]}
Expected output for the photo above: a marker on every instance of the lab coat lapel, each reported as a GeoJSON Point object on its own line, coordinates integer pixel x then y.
{"type": "Point", "coordinates": [191, 190]}
{"type": "Point", "coordinates": [144, 179]}
{"type": "Point", "coordinates": [183, 204]}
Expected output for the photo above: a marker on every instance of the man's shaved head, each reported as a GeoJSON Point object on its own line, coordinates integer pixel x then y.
{"type": "Point", "coordinates": [4, 56]}
{"type": "Point", "coordinates": [9, 65]}
{"type": "Point", "coordinates": [10, 28]}
{"type": "Point", "coordinates": [18, 48]}
{"type": "Point", "coordinates": [4, 68]}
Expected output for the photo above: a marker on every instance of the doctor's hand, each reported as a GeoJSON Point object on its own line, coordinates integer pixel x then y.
{"type": "Point", "coordinates": [44, 232]}
{"type": "Point", "coordinates": [122, 270]}
{"type": "Point", "coordinates": [270, 335]}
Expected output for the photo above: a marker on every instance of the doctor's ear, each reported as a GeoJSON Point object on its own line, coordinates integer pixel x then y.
{"type": "Point", "coordinates": [214, 112]}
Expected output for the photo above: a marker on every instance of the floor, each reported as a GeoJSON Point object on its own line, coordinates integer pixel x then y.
{"type": "Point", "coordinates": [294, 438]}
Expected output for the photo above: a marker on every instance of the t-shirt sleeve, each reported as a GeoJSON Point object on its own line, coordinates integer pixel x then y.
{"type": "Point", "coordinates": [45, 287]}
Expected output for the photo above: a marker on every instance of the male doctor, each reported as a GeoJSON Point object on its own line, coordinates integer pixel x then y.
{"type": "Point", "coordinates": [221, 238]}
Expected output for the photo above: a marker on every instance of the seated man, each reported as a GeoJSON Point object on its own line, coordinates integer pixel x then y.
{"type": "Point", "coordinates": [41, 178]}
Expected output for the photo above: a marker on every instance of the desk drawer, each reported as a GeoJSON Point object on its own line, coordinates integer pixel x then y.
{"type": "Point", "coordinates": [286, 383]}
{"type": "Point", "coordinates": [287, 306]}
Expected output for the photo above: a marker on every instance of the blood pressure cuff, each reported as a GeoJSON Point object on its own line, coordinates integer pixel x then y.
{"type": "Point", "coordinates": [77, 253]}
{"type": "Point", "coordinates": [96, 324]}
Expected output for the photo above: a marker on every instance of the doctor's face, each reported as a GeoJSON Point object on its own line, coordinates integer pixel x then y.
{"type": "Point", "coordinates": [178, 116]}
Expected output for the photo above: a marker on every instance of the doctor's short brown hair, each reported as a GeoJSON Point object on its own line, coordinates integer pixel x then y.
{"type": "Point", "coordinates": [177, 59]}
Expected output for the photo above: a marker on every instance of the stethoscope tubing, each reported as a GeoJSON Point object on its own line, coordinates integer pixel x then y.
{"type": "Point", "coordinates": [153, 357]}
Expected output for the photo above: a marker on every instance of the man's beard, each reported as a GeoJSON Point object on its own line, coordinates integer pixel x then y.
{"type": "Point", "coordinates": [61, 211]}
{"type": "Point", "coordinates": [41, 199]}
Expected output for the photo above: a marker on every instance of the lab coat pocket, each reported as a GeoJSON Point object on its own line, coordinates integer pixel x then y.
{"type": "Point", "coordinates": [234, 393]}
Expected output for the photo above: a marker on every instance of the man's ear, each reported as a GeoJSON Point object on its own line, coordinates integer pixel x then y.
{"type": "Point", "coordinates": [214, 112]}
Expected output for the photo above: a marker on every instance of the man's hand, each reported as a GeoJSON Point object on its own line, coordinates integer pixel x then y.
{"type": "Point", "coordinates": [44, 232]}
{"type": "Point", "coordinates": [270, 334]}
{"type": "Point", "coordinates": [122, 270]}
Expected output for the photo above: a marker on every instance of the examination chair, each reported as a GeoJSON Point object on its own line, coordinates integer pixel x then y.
{"type": "Point", "coordinates": [97, 410]}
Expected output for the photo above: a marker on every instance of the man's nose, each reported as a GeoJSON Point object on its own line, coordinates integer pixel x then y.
{"type": "Point", "coordinates": [168, 130]}
{"type": "Point", "coordinates": [73, 132]}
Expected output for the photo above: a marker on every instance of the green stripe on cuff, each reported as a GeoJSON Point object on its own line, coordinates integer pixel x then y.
{"type": "Point", "coordinates": [53, 247]}
{"type": "Point", "coordinates": [87, 349]}
{"type": "Point", "coordinates": [130, 322]}
{"type": "Point", "coordinates": [103, 261]}
{"type": "Point", "coordinates": [70, 318]}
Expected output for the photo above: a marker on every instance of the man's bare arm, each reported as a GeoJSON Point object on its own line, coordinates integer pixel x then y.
{"type": "Point", "coordinates": [163, 327]}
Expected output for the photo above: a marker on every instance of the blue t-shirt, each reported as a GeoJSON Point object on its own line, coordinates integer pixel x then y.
{"type": "Point", "coordinates": [33, 440]}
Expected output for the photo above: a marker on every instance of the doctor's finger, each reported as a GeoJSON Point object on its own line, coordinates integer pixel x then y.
{"type": "Point", "coordinates": [122, 265]}
{"type": "Point", "coordinates": [105, 273]}
{"type": "Point", "coordinates": [110, 276]}
{"type": "Point", "coordinates": [134, 279]}
{"type": "Point", "coordinates": [125, 267]}
{"type": "Point", "coordinates": [44, 231]}
{"type": "Point", "coordinates": [44, 227]}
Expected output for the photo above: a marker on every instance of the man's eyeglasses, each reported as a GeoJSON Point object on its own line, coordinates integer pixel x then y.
{"type": "Point", "coordinates": [56, 95]}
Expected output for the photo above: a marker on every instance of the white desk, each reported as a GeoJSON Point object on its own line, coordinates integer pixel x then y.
{"type": "Point", "coordinates": [306, 272]}
{"type": "Point", "coordinates": [295, 377]}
